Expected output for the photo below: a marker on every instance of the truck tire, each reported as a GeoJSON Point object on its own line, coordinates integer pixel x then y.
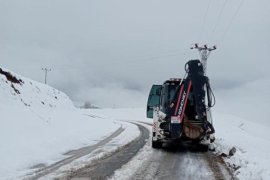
{"type": "Point", "coordinates": [156, 144]}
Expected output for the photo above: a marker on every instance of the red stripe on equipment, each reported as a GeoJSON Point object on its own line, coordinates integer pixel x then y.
{"type": "Point", "coordinates": [183, 112]}
{"type": "Point", "coordinates": [178, 101]}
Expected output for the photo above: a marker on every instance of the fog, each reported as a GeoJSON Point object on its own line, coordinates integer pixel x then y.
{"type": "Point", "coordinates": [110, 52]}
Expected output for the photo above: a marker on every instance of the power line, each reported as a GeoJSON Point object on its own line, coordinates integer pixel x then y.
{"type": "Point", "coordinates": [219, 16]}
{"type": "Point", "coordinates": [231, 21]}
{"type": "Point", "coordinates": [204, 20]}
{"type": "Point", "coordinates": [161, 53]}
{"type": "Point", "coordinates": [145, 59]}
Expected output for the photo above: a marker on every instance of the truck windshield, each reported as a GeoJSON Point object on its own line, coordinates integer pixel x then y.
{"type": "Point", "coordinates": [168, 94]}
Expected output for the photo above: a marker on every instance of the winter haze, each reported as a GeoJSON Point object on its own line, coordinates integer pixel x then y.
{"type": "Point", "coordinates": [110, 52]}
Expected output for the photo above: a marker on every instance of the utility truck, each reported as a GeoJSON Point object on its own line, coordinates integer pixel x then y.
{"type": "Point", "coordinates": [181, 108]}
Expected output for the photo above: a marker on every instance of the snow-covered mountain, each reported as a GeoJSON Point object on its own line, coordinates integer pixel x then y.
{"type": "Point", "coordinates": [39, 124]}
{"type": "Point", "coordinates": [15, 88]}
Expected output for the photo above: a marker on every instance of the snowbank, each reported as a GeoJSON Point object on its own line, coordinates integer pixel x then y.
{"type": "Point", "coordinates": [39, 124]}
{"type": "Point", "coordinates": [252, 143]}
{"type": "Point", "coordinates": [250, 134]}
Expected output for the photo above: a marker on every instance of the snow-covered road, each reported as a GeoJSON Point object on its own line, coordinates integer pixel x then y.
{"type": "Point", "coordinates": [181, 163]}
{"type": "Point", "coordinates": [78, 162]}
{"type": "Point", "coordinates": [174, 162]}
{"type": "Point", "coordinates": [73, 155]}
{"type": "Point", "coordinates": [104, 167]}
{"type": "Point", "coordinates": [171, 162]}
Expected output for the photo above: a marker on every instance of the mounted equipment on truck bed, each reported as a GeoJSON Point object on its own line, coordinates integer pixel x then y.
{"type": "Point", "coordinates": [181, 108]}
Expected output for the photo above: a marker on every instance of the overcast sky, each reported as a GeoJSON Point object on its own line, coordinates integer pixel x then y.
{"type": "Point", "coordinates": [110, 52]}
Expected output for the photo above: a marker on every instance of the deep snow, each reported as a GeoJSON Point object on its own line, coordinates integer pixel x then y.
{"type": "Point", "coordinates": [252, 143]}
{"type": "Point", "coordinates": [39, 124]}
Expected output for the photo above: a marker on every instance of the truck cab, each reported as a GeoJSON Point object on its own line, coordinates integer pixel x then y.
{"type": "Point", "coordinates": [158, 105]}
{"type": "Point", "coordinates": [161, 96]}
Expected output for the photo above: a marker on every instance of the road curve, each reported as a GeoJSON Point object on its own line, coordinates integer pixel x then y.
{"type": "Point", "coordinates": [170, 163]}
{"type": "Point", "coordinates": [72, 155]}
{"type": "Point", "coordinates": [105, 167]}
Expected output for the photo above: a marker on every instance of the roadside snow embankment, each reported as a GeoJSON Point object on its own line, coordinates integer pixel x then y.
{"type": "Point", "coordinates": [251, 141]}
{"type": "Point", "coordinates": [244, 124]}
{"type": "Point", "coordinates": [39, 124]}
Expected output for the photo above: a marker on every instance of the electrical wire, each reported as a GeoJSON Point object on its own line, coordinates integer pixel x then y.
{"type": "Point", "coordinates": [219, 16]}
{"type": "Point", "coordinates": [150, 59]}
{"type": "Point", "coordinates": [204, 20]}
{"type": "Point", "coordinates": [231, 21]}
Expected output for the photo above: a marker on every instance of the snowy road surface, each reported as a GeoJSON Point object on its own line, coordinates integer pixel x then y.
{"type": "Point", "coordinates": [105, 167]}
{"type": "Point", "coordinates": [170, 163]}
{"type": "Point", "coordinates": [173, 163]}
{"type": "Point", "coordinates": [73, 155]}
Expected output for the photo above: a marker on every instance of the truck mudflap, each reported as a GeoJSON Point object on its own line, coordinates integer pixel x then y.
{"type": "Point", "coordinates": [176, 130]}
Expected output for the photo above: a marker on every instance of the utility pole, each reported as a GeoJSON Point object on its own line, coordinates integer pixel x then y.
{"type": "Point", "coordinates": [204, 53]}
{"type": "Point", "coordinates": [46, 70]}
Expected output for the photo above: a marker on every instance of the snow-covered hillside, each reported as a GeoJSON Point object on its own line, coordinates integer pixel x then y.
{"type": "Point", "coordinates": [250, 100]}
{"type": "Point", "coordinates": [243, 122]}
{"type": "Point", "coordinates": [39, 124]}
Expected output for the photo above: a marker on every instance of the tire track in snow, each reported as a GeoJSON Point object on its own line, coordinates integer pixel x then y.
{"type": "Point", "coordinates": [218, 167]}
{"type": "Point", "coordinates": [177, 163]}
{"type": "Point", "coordinates": [104, 167]}
{"type": "Point", "coordinates": [73, 155]}
{"type": "Point", "coordinates": [182, 162]}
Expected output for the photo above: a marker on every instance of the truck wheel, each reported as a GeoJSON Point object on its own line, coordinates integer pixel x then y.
{"type": "Point", "coordinates": [156, 144]}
